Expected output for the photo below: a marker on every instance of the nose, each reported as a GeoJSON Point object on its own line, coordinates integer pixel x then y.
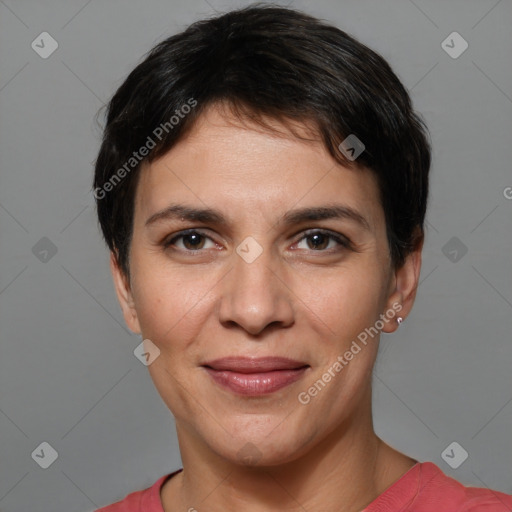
{"type": "Point", "coordinates": [255, 295]}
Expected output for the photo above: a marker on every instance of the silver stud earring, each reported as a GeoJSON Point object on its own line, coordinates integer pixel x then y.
{"type": "Point", "coordinates": [399, 320]}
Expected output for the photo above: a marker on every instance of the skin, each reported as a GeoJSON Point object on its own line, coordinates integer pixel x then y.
{"type": "Point", "coordinates": [297, 299]}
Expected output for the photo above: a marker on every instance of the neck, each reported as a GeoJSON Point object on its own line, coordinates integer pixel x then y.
{"type": "Point", "coordinates": [343, 473]}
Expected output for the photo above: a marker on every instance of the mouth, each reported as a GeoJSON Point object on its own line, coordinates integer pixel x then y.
{"type": "Point", "coordinates": [255, 376]}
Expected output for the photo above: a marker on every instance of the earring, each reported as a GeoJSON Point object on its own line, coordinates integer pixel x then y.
{"type": "Point", "coordinates": [399, 320]}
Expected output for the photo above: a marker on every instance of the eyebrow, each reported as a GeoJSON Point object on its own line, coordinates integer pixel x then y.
{"type": "Point", "coordinates": [211, 216]}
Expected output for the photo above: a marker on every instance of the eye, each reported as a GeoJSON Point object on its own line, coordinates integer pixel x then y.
{"type": "Point", "coordinates": [190, 241]}
{"type": "Point", "coordinates": [322, 241]}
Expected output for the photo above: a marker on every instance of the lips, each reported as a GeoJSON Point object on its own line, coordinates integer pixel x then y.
{"type": "Point", "coordinates": [255, 376]}
{"type": "Point", "coordinates": [254, 365]}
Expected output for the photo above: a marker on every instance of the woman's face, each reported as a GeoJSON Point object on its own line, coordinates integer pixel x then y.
{"type": "Point", "coordinates": [260, 274]}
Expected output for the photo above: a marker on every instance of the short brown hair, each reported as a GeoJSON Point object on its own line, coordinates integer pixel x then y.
{"type": "Point", "coordinates": [267, 61]}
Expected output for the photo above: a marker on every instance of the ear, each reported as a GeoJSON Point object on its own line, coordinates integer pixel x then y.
{"type": "Point", "coordinates": [403, 287]}
{"type": "Point", "coordinates": [124, 295]}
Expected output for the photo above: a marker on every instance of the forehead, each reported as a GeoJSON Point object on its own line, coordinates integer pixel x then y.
{"type": "Point", "coordinates": [243, 167]}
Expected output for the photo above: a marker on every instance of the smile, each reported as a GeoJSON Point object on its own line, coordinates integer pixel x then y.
{"type": "Point", "coordinates": [254, 377]}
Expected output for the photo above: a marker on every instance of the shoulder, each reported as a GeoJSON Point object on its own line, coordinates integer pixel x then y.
{"type": "Point", "coordinates": [131, 503]}
{"type": "Point", "coordinates": [441, 493]}
{"type": "Point", "coordinates": [146, 500]}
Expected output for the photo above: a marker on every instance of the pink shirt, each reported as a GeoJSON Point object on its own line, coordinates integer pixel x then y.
{"type": "Point", "coordinates": [424, 488]}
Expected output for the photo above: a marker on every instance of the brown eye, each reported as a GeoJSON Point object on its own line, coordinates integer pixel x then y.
{"type": "Point", "coordinates": [318, 241]}
{"type": "Point", "coordinates": [189, 241]}
{"type": "Point", "coordinates": [321, 241]}
{"type": "Point", "coordinates": [193, 241]}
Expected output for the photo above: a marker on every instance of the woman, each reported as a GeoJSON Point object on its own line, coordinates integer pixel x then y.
{"type": "Point", "coordinates": [262, 186]}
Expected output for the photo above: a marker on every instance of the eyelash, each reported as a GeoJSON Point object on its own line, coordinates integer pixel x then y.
{"type": "Point", "coordinates": [339, 239]}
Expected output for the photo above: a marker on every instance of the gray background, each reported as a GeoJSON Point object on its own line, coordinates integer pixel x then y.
{"type": "Point", "coordinates": [68, 375]}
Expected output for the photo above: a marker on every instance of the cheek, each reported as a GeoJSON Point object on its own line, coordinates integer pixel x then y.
{"type": "Point", "coordinates": [170, 306]}
{"type": "Point", "coordinates": [344, 302]}
{"type": "Point", "coordinates": [344, 310]}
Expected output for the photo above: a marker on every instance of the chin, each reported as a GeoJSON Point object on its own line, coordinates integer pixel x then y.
{"type": "Point", "coordinates": [258, 446]}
